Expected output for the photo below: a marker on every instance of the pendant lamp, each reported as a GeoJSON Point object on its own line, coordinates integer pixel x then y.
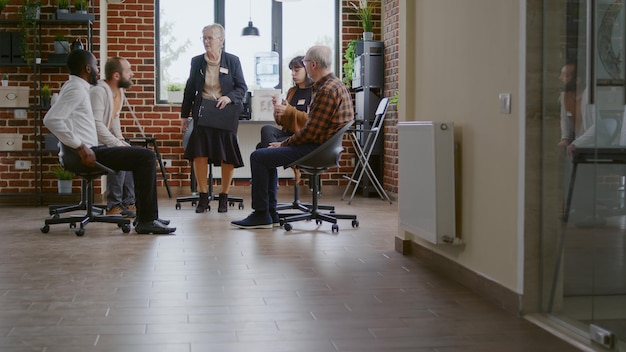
{"type": "Point", "coordinates": [251, 30]}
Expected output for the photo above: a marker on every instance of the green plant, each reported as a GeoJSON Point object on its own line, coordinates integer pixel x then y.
{"type": "Point", "coordinates": [29, 17]}
{"type": "Point", "coordinates": [348, 66]}
{"type": "Point", "coordinates": [63, 4]}
{"type": "Point", "coordinates": [175, 87]}
{"type": "Point", "coordinates": [61, 173]}
{"type": "Point", "coordinates": [59, 38]}
{"type": "Point", "coordinates": [3, 4]}
{"type": "Point", "coordinates": [395, 98]}
{"type": "Point", "coordinates": [364, 12]}
{"type": "Point", "coordinates": [45, 92]}
{"type": "Point", "coordinates": [81, 5]}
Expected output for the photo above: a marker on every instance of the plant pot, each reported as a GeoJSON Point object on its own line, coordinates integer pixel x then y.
{"type": "Point", "coordinates": [61, 47]}
{"type": "Point", "coordinates": [368, 36]}
{"type": "Point", "coordinates": [65, 186]}
{"type": "Point", "coordinates": [175, 96]}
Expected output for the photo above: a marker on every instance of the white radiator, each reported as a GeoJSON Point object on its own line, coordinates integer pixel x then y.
{"type": "Point", "coordinates": [249, 134]}
{"type": "Point", "coordinates": [426, 180]}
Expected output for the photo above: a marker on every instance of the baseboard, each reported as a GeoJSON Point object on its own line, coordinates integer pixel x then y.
{"type": "Point", "coordinates": [488, 289]}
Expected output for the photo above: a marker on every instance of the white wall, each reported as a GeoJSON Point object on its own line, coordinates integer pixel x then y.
{"type": "Point", "coordinates": [458, 56]}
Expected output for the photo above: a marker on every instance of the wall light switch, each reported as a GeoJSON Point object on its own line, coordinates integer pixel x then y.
{"type": "Point", "coordinates": [22, 164]}
{"type": "Point", "coordinates": [19, 113]}
{"type": "Point", "coordinates": [505, 103]}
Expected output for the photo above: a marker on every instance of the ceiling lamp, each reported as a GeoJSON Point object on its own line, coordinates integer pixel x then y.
{"type": "Point", "coordinates": [251, 30]}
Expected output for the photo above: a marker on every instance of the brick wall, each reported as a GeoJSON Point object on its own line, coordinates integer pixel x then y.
{"type": "Point", "coordinates": [130, 29]}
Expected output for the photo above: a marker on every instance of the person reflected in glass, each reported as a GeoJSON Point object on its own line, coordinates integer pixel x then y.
{"type": "Point", "coordinates": [214, 75]}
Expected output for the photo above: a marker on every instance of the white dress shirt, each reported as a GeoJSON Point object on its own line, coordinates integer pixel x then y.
{"type": "Point", "coordinates": [70, 118]}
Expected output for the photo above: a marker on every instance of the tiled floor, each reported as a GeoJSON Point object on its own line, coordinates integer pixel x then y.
{"type": "Point", "coordinates": [213, 288]}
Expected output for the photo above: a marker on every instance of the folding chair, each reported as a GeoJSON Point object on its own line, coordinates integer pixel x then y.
{"type": "Point", "coordinates": [363, 151]}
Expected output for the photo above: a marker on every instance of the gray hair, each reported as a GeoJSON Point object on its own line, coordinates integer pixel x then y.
{"type": "Point", "coordinates": [321, 54]}
{"type": "Point", "coordinates": [215, 28]}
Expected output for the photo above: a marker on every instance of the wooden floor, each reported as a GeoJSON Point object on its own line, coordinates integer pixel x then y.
{"type": "Point", "coordinates": [210, 287]}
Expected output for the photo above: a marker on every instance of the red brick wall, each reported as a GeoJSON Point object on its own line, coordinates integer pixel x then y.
{"type": "Point", "coordinates": [131, 28]}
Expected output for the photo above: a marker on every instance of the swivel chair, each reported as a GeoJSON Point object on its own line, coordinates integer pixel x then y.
{"type": "Point", "coordinates": [70, 160]}
{"type": "Point", "coordinates": [314, 164]}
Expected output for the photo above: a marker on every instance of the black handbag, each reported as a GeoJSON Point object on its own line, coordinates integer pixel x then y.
{"type": "Point", "coordinates": [222, 119]}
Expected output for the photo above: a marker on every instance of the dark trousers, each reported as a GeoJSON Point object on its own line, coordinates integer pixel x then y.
{"type": "Point", "coordinates": [263, 164]}
{"type": "Point", "coordinates": [142, 163]}
{"type": "Point", "coordinates": [272, 134]}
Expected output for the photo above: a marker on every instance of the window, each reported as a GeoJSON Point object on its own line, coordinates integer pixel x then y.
{"type": "Point", "coordinates": [297, 25]}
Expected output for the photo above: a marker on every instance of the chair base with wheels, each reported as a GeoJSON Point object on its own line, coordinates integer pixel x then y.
{"type": "Point", "coordinates": [314, 164]}
{"type": "Point", "coordinates": [92, 214]}
{"type": "Point", "coordinates": [56, 210]}
{"type": "Point", "coordinates": [296, 204]}
{"type": "Point", "coordinates": [195, 197]}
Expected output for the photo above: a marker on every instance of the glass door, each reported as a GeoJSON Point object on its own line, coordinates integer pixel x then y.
{"type": "Point", "coordinates": [584, 167]}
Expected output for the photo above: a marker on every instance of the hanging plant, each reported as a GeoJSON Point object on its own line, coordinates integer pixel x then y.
{"type": "Point", "coordinates": [348, 66]}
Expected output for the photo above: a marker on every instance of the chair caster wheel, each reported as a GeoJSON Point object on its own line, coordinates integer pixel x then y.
{"type": "Point", "coordinates": [355, 223]}
{"type": "Point", "coordinates": [287, 226]}
{"type": "Point", "coordinates": [73, 225]}
{"type": "Point", "coordinates": [335, 228]}
{"type": "Point", "coordinates": [45, 228]}
{"type": "Point", "coordinates": [126, 228]}
{"type": "Point", "coordinates": [80, 232]}
{"type": "Point", "coordinates": [318, 222]}
{"type": "Point", "coordinates": [231, 204]}
{"type": "Point", "coordinates": [193, 203]}
{"type": "Point", "coordinates": [240, 206]}
{"type": "Point", "coordinates": [177, 206]}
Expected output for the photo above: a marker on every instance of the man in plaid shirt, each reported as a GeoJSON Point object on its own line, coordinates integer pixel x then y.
{"type": "Point", "coordinates": [331, 108]}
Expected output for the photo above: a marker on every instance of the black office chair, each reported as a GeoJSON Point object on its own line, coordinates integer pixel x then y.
{"type": "Point", "coordinates": [314, 164]}
{"type": "Point", "coordinates": [71, 162]}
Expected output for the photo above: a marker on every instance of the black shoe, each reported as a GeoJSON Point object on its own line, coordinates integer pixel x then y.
{"type": "Point", "coordinates": [153, 227]}
{"type": "Point", "coordinates": [223, 203]}
{"type": "Point", "coordinates": [162, 221]}
{"type": "Point", "coordinates": [275, 218]}
{"type": "Point", "coordinates": [203, 203]}
{"type": "Point", "coordinates": [256, 220]}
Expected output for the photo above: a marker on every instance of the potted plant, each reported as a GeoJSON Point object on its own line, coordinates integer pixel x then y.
{"type": "Point", "coordinates": [64, 178]}
{"type": "Point", "coordinates": [45, 96]}
{"type": "Point", "coordinates": [175, 92]}
{"type": "Point", "coordinates": [364, 12]}
{"type": "Point", "coordinates": [63, 6]}
{"type": "Point", "coordinates": [81, 6]}
{"type": "Point", "coordinates": [348, 66]}
{"type": "Point", "coordinates": [5, 80]}
{"type": "Point", "coordinates": [61, 44]}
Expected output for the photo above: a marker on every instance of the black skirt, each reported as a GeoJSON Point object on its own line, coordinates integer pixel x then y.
{"type": "Point", "coordinates": [217, 145]}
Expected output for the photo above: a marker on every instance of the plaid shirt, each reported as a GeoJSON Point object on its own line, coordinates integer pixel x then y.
{"type": "Point", "coordinates": [331, 108]}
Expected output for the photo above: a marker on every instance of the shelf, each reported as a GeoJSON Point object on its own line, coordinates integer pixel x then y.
{"type": "Point", "coordinates": [21, 151]}
{"type": "Point", "coordinates": [38, 69]}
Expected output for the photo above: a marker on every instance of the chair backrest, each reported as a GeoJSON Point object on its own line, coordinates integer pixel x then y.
{"type": "Point", "coordinates": [326, 155]}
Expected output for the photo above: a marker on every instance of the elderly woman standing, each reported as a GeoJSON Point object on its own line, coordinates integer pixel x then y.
{"type": "Point", "coordinates": [214, 75]}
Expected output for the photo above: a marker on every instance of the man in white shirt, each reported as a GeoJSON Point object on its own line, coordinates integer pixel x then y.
{"type": "Point", "coordinates": [107, 98]}
{"type": "Point", "coordinates": [71, 120]}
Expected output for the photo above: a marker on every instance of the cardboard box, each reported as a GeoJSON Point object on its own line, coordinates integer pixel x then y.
{"type": "Point", "coordinates": [10, 141]}
{"type": "Point", "coordinates": [262, 106]}
{"type": "Point", "coordinates": [14, 97]}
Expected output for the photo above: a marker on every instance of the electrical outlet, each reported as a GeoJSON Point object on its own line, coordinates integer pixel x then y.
{"type": "Point", "coordinates": [167, 162]}
{"type": "Point", "coordinates": [19, 113]}
{"type": "Point", "coordinates": [22, 164]}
